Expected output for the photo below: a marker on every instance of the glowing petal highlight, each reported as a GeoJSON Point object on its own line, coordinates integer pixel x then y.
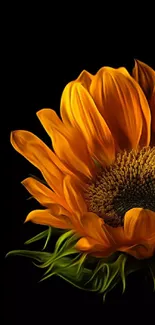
{"type": "Point", "coordinates": [34, 150]}
{"type": "Point", "coordinates": [65, 144]}
{"type": "Point", "coordinates": [45, 217]}
{"type": "Point", "coordinates": [139, 224]}
{"type": "Point", "coordinates": [123, 106]}
{"type": "Point", "coordinates": [42, 193]}
{"type": "Point", "coordinates": [145, 76]}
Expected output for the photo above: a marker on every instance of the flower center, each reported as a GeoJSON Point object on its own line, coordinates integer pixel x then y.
{"type": "Point", "coordinates": [127, 183]}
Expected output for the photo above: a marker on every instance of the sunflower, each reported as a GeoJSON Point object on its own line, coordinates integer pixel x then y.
{"type": "Point", "coordinates": [100, 174]}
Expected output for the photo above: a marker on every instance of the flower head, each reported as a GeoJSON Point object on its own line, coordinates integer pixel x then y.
{"type": "Point", "coordinates": [101, 174]}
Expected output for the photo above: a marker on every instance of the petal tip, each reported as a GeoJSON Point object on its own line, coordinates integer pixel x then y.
{"type": "Point", "coordinates": [42, 110]}
{"type": "Point", "coordinates": [27, 219]}
{"type": "Point", "coordinates": [14, 137]}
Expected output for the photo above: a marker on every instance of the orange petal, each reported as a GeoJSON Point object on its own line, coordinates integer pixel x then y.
{"type": "Point", "coordinates": [87, 244]}
{"type": "Point", "coordinates": [85, 78]}
{"type": "Point", "coordinates": [152, 108]}
{"type": "Point", "coordinates": [145, 76]}
{"type": "Point", "coordinates": [139, 224]}
{"type": "Point", "coordinates": [49, 119]}
{"type": "Point", "coordinates": [35, 151]}
{"type": "Point", "coordinates": [140, 251]}
{"type": "Point", "coordinates": [74, 198]}
{"type": "Point", "coordinates": [123, 105]}
{"type": "Point", "coordinates": [84, 115]}
{"type": "Point", "coordinates": [42, 193]}
{"type": "Point", "coordinates": [73, 154]}
{"type": "Point", "coordinates": [45, 217]}
{"type": "Point", "coordinates": [94, 227]}
{"type": "Point", "coordinates": [65, 105]}
{"type": "Point", "coordinates": [59, 210]}
{"type": "Point", "coordinates": [117, 234]}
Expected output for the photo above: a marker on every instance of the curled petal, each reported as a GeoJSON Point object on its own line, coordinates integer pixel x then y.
{"type": "Point", "coordinates": [83, 114]}
{"type": "Point", "coordinates": [65, 105]}
{"type": "Point", "coordinates": [45, 217]}
{"type": "Point", "coordinates": [49, 119]}
{"type": "Point", "coordinates": [59, 210]}
{"type": "Point", "coordinates": [74, 154]}
{"type": "Point", "coordinates": [140, 251]}
{"type": "Point", "coordinates": [86, 243]}
{"type": "Point", "coordinates": [74, 199]}
{"type": "Point", "coordinates": [42, 193]}
{"type": "Point", "coordinates": [94, 227]}
{"type": "Point", "coordinates": [34, 150]}
{"type": "Point", "coordinates": [139, 224]}
{"type": "Point", "coordinates": [89, 245]}
{"type": "Point", "coordinates": [145, 76]}
{"type": "Point", "coordinates": [117, 234]}
{"type": "Point", "coordinates": [85, 78]}
{"type": "Point", "coordinates": [123, 105]}
{"type": "Point", "coordinates": [152, 108]}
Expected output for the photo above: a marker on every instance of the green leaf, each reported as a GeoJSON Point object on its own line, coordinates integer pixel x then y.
{"type": "Point", "coordinates": [81, 270]}
{"type": "Point", "coordinates": [122, 271]}
{"type": "Point", "coordinates": [39, 256]}
{"type": "Point", "coordinates": [46, 233]}
{"type": "Point", "coordinates": [49, 233]}
{"type": "Point", "coordinates": [61, 242]}
{"type": "Point", "coordinates": [57, 259]}
{"type": "Point", "coordinates": [41, 235]}
{"type": "Point", "coordinates": [81, 262]}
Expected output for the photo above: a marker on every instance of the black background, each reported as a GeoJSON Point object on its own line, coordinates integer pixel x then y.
{"type": "Point", "coordinates": [38, 67]}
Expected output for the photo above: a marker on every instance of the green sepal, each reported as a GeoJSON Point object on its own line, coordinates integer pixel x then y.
{"type": "Point", "coordinates": [40, 236]}
{"type": "Point", "coordinates": [36, 255]}
{"type": "Point", "coordinates": [49, 233]}
{"type": "Point", "coordinates": [82, 270]}
{"type": "Point", "coordinates": [44, 234]}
